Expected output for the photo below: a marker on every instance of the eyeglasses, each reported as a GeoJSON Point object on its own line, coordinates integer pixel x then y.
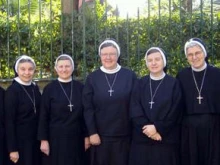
{"type": "Point", "coordinates": [108, 54]}
{"type": "Point", "coordinates": [196, 54]}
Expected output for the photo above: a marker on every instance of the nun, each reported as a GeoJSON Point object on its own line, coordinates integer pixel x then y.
{"type": "Point", "coordinates": [106, 98]}
{"type": "Point", "coordinates": [200, 81]}
{"type": "Point", "coordinates": [22, 103]}
{"type": "Point", "coordinates": [155, 113]}
{"type": "Point", "coordinates": [61, 125]}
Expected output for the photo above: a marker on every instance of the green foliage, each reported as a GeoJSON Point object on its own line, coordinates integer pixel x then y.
{"type": "Point", "coordinates": [49, 33]}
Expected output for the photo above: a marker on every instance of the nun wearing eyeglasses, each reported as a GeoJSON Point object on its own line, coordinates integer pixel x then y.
{"type": "Point", "coordinates": [200, 142]}
{"type": "Point", "coordinates": [61, 126]}
{"type": "Point", "coordinates": [22, 102]}
{"type": "Point", "coordinates": [155, 113]}
{"type": "Point", "coordinates": [106, 98]}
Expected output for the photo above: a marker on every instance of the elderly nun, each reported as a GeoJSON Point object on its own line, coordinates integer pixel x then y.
{"type": "Point", "coordinates": [106, 99]}
{"type": "Point", "coordinates": [22, 103]}
{"type": "Point", "coordinates": [61, 126]}
{"type": "Point", "coordinates": [200, 143]}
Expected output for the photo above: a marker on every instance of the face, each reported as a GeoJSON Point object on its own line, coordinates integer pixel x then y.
{"type": "Point", "coordinates": [109, 57]}
{"type": "Point", "coordinates": [64, 69]}
{"type": "Point", "coordinates": [25, 71]}
{"type": "Point", "coordinates": [196, 57]}
{"type": "Point", "coordinates": [155, 64]}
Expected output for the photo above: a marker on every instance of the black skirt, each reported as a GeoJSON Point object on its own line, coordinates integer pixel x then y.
{"type": "Point", "coordinates": [111, 151]}
{"type": "Point", "coordinates": [3, 151]}
{"type": "Point", "coordinates": [154, 154]}
{"type": "Point", "coordinates": [67, 150]}
{"type": "Point", "coordinates": [200, 140]}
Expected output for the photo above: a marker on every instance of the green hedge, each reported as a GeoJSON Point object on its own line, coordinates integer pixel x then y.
{"type": "Point", "coordinates": [79, 35]}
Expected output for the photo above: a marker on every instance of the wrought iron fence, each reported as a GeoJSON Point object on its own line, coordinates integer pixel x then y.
{"type": "Point", "coordinates": [43, 29]}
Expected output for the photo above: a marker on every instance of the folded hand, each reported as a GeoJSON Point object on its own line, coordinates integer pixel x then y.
{"type": "Point", "coordinates": [95, 139]}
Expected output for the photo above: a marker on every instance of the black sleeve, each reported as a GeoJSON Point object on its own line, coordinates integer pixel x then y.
{"type": "Point", "coordinates": [11, 104]}
{"type": "Point", "coordinates": [89, 108]}
{"type": "Point", "coordinates": [1, 107]}
{"type": "Point", "coordinates": [85, 131]}
{"type": "Point", "coordinates": [182, 104]}
{"type": "Point", "coordinates": [43, 127]}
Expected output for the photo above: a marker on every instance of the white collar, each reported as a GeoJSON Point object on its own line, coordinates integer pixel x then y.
{"type": "Point", "coordinates": [200, 69]}
{"type": "Point", "coordinates": [64, 81]}
{"type": "Point", "coordinates": [159, 77]}
{"type": "Point", "coordinates": [112, 71]}
{"type": "Point", "coordinates": [22, 82]}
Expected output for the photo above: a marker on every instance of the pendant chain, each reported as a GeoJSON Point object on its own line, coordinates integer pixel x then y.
{"type": "Point", "coordinates": [32, 100]}
{"type": "Point", "coordinates": [69, 99]}
{"type": "Point", "coordinates": [111, 86]}
{"type": "Point", "coordinates": [199, 90]}
{"type": "Point", "coordinates": [152, 95]}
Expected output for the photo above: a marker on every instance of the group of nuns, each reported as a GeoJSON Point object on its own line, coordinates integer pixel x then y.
{"type": "Point", "coordinates": [114, 118]}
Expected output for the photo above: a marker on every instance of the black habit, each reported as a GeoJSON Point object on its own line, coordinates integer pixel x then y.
{"type": "Point", "coordinates": [165, 115]}
{"type": "Point", "coordinates": [64, 129]}
{"type": "Point", "coordinates": [108, 116]}
{"type": "Point", "coordinates": [21, 120]}
{"type": "Point", "coordinates": [2, 128]}
{"type": "Point", "coordinates": [200, 125]}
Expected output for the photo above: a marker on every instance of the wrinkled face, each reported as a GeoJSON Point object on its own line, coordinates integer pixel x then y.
{"type": "Point", "coordinates": [195, 56]}
{"type": "Point", "coordinates": [155, 64]}
{"type": "Point", "coordinates": [109, 57]}
{"type": "Point", "coordinates": [25, 71]}
{"type": "Point", "coordinates": [64, 69]}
